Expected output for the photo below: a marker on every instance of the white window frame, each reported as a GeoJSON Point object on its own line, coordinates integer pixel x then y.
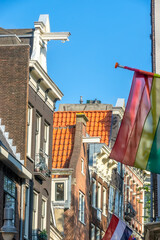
{"type": "Point", "coordinates": [35, 212]}
{"type": "Point", "coordinates": [44, 216]}
{"type": "Point", "coordinates": [38, 137]}
{"type": "Point", "coordinates": [60, 180]}
{"type": "Point", "coordinates": [82, 166]}
{"type": "Point", "coordinates": [92, 232]}
{"type": "Point", "coordinates": [104, 210]}
{"type": "Point", "coordinates": [29, 129]}
{"type": "Point", "coordinates": [46, 141]}
{"type": "Point", "coordinates": [81, 216]}
{"type": "Point", "coordinates": [98, 234]}
{"type": "Point", "coordinates": [93, 192]}
{"type": "Point", "coordinates": [27, 210]}
{"type": "Point", "coordinates": [99, 191]}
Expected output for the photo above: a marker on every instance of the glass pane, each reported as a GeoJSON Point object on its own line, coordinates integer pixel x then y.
{"type": "Point", "coordinates": [13, 189]}
{"type": "Point", "coordinates": [5, 183]}
{"type": "Point", "coordinates": [59, 191]}
{"type": "Point", "coordinates": [9, 188]}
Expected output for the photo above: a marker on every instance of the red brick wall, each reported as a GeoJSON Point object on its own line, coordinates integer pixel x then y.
{"type": "Point", "coordinates": [73, 228]}
{"type": "Point", "coordinates": [14, 77]}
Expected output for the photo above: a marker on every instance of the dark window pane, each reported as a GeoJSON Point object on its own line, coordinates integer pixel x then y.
{"type": "Point", "coordinates": [59, 191]}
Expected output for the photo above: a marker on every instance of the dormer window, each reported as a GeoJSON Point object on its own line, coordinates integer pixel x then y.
{"type": "Point", "coordinates": [59, 191]}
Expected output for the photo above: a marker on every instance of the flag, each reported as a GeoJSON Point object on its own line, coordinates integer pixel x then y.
{"type": "Point", "coordinates": [138, 139]}
{"type": "Point", "coordinates": [117, 230]}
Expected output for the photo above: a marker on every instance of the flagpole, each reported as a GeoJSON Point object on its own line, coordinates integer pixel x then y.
{"type": "Point", "coordinates": [137, 70]}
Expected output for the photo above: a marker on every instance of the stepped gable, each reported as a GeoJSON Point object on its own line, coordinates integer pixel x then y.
{"type": "Point", "coordinates": [5, 144]}
{"type": "Point", "coordinates": [99, 125]}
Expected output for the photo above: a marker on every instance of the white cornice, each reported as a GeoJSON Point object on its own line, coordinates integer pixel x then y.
{"type": "Point", "coordinates": [119, 111]}
{"type": "Point", "coordinates": [47, 81]}
{"type": "Point", "coordinates": [62, 171]}
{"type": "Point", "coordinates": [91, 139]}
{"type": "Point", "coordinates": [55, 36]}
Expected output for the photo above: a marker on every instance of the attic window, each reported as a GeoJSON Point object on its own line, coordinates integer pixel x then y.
{"type": "Point", "coordinates": [59, 191]}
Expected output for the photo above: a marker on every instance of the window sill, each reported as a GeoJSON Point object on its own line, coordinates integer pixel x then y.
{"type": "Point", "coordinates": [30, 158]}
{"type": "Point", "coordinates": [82, 222]}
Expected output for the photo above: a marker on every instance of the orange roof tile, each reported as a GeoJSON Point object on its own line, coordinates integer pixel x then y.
{"type": "Point", "coordinates": [99, 124]}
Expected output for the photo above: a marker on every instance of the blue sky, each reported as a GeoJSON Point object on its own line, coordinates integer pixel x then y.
{"type": "Point", "coordinates": [102, 32]}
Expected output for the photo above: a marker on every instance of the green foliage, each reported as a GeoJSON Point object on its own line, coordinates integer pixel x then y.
{"type": "Point", "coordinates": [147, 201]}
{"type": "Point", "coordinates": [42, 235]}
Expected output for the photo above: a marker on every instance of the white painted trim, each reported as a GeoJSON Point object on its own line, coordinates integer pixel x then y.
{"type": "Point", "coordinates": [47, 36]}
{"type": "Point", "coordinates": [47, 81]}
{"type": "Point", "coordinates": [91, 139]}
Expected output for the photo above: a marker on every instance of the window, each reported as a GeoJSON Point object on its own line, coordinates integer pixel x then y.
{"type": "Point", "coordinates": [99, 196]}
{"type": "Point", "coordinates": [119, 167]}
{"type": "Point", "coordinates": [104, 201]}
{"type": "Point", "coordinates": [29, 130]}
{"type": "Point", "coordinates": [116, 210]}
{"type": "Point", "coordinates": [38, 137]}
{"type": "Point", "coordinates": [92, 232]}
{"type": "Point", "coordinates": [35, 211]}
{"type": "Point", "coordinates": [10, 195]}
{"type": "Point", "coordinates": [97, 233]}
{"type": "Point", "coordinates": [61, 194]}
{"type": "Point", "coordinates": [102, 234]}
{"type": "Point", "coordinates": [59, 191]}
{"type": "Point", "coordinates": [46, 141]}
{"type": "Point", "coordinates": [44, 213]}
{"type": "Point", "coordinates": [111, 198]}
{"type": "Point", "coordinates": [93, 193]}
{"type": "Point", "coordinates": [120, 205]}
{"type": "Point", "coordinates": [81, 207]}
{"type": "Point", "coordinates": [26, 223]}
{"type": "Point", "coordinates": [82, 166]}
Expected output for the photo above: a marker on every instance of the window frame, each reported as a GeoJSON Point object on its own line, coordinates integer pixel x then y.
{"type": "Point", "coordinates": [94, 192]}
{"type": "Point", "coordinates": [35, 224]}
{"type": "Point", "coordinates": [60, 180]}
{"type": "Point", "coordinates": [37, 137]}
{"type": "Point", "coordinates": [82, 166]}
{"type": "Point", "coordinates": [44, 219]}
{"type": "Point", "coordinates": [12, 196]}
{"type": "Point", "coordinates": [27, 207]}
{"type": "Point", "coordinates": [46, 141]}
{"type": "Point", "coordinates": [99, 196]}
{"type": "Point", "coordinates": [29, 129]}
{"type": "Point", "coordinates": [104, 208]}
{"type": "Point", "coordinates": [92, 237]}
{"type": "Point", "coordinates": [81, 215]}
{"type": "Point", "coordinates": [111, 194]}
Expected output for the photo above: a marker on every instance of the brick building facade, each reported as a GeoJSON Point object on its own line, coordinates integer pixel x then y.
{"type": "Point", "coordinates": [28, 97]}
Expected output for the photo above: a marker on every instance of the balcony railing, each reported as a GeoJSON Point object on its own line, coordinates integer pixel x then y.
{"type": "Point", "coordinates": [41, 163]}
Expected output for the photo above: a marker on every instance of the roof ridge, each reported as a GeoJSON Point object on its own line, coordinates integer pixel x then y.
{"type": "Point", "coordinates": [108, 110]}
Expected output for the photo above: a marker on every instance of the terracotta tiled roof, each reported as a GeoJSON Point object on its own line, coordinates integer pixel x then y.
{"type": "Point", "coordinates": [63, 140]}
{"type": "Point", "coordinates": [99, 125]}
